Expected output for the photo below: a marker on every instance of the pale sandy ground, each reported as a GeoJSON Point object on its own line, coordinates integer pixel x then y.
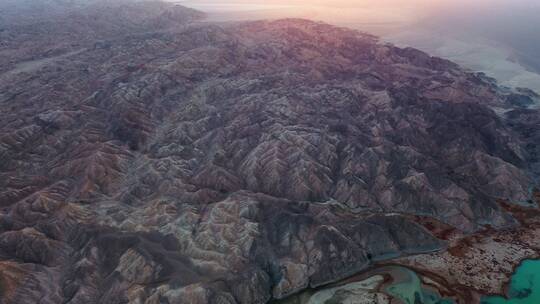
{"type": "Point", "coordinates": [33, 65]}
{"type": "Point", "coordinates": [363, 292]}
{"type": "Point", "coordinates": [485, 265]}
{"type": "Point", "coordinates": [473, 267]}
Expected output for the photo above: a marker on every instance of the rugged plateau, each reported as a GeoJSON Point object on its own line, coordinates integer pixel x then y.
{"type": "Point", "coordinates": [148, 156]}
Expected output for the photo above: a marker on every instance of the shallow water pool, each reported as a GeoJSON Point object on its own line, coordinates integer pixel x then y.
{"type": "Point", "coordinates": [408, 288]}
{"type": "Point", "coordinates": [524, 286]}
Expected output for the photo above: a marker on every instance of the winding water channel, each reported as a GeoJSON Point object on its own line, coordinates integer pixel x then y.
{"type": "Point", "coordinates": [405, 286]}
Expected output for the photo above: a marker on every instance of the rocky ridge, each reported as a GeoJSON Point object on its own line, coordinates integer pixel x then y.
{"type": "Point", "coordinates": [148, 158]}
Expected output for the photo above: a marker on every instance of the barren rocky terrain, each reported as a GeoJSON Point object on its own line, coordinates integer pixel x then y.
{"type": "Point", "coordinates": [148, 156]}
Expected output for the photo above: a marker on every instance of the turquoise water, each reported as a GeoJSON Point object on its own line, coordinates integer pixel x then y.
{"type": "Point", "coordinates": [524, 286]}
{"type": "Point", "coordinates": [409, 290]}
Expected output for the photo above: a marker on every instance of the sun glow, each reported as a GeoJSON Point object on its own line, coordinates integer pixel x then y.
{"type": "Point", "coordinates": [483, 35]}
{"type": "Point", "coordinates": [341, 12]}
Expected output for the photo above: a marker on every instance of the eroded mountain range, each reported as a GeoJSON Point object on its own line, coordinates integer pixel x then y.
{"type": "Point", "coordinates": [147, 156]}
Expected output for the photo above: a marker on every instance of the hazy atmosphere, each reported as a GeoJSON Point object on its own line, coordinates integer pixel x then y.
{"type": "Point", "coordinates": [498, 37]}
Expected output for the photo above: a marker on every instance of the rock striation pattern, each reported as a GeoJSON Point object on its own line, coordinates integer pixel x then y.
{"type": "Point", "coordinates": [147, 157]}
